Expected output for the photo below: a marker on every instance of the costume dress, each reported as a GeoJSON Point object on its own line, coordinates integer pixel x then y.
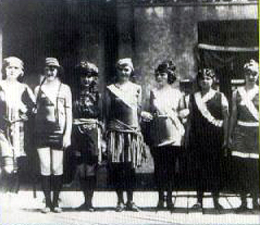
{"type": "Point", "coordinates": [16, 102]}
{"type": "Point", "coordinates": [51, 116]}
{"type": "Point", "coordinates": [166, 134]}
{"type": "Point", "coordinates": [125, 141]}
{"type": "Point", "coordinates": [206, 136]}
{"type": "Point", "coordinates": [87, 131]}
{"type": "Point", "coordinates": [245, 148]}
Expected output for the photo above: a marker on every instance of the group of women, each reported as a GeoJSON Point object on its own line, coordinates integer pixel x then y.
{"type": "Point", "coordinates": [200, 123]}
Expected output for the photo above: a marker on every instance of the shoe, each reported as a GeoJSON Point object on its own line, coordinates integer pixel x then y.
{"type": "Point", "coordinates": [46, 210]}
{"type": "Point", "coordinates": [86, 207]}
{"type": "Point", "coordinates": [197, 206]}
{"type": "Point", "coordinates": [57, 209]}
{"type": "Point", "coordinates": [256, 206]}
{"type": "Point", "coordinates": [242, 208]}
{"type": "Point", "coordinates": [170, 206]}
{"type": "Point", "coordinates": [160, 205]}
{"type": "Point", "coordinates": [120, 207]}
{"type": "Point", "coordinates": [131, 206]}
{"type": "Point", "coordinates": [218, 206]}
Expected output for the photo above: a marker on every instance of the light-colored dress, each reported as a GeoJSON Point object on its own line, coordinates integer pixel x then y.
{"type": "Point", "coordinates": [166, 127]}
{"type": "Point", "coordinates": [16, 100]}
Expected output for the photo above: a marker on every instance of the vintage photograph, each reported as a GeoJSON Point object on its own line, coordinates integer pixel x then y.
{"type": "Point", "coordinates": [133, 112]}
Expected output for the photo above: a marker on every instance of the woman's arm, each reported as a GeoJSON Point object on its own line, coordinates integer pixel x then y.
{"type": "Point", "coordinates": [233, 118]}
{"type": "Point", "coordinates": [68, 113]}
{"type": "Point", "coordinates": [225, 113]}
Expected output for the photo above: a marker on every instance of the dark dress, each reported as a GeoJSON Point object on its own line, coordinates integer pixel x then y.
{"type": "Point", "coordinates": [86, 138]}
{"type": "Point", "coordinates": [205, 144]}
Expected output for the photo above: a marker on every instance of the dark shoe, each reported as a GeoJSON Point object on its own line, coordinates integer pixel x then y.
{"type": "Point", "coordinates": [218, 206]}
{"type": "Point", "coordinates": [160, 205]}
{"type": "Point", "coordinates": [86, 207]}
{"type": "Point", "coordinates": [120, 207]}
{"type": "Point", "coordinates": [256, 206]}
{"type": "Point", "coordinates": [242, 208]}
{"type": "Point", "coordinates": [197, 206]}
{"type": "Point", "coordinates": [170, 206]}
{"type": "Point", "coordinates": [131, 206]}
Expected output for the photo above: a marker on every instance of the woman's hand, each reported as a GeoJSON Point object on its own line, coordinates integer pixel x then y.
{"type": "Point", "coordinates": [66, 141]}
{"type": "Point", "coordinates": [184, 113]}
{"type": "Point", "coordinates": [146, 116]}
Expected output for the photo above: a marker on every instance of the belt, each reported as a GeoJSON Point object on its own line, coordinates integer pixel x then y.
{"type": "Point", "coordinates": [248, 124]}
{"type": "Point", "coordinates": [245, 155]}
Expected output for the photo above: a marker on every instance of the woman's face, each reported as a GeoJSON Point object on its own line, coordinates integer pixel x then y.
{"type": "Point", "coordinates": [51, 72]}
{"type": "Point", "coordinates": [251, 76]}
{"type": "Point", "coordinates": [13, 72]}
{"type": "Point", "coordinates": [161, 78]}
{"type": "Point", "coordinates": [205, 82]}
{"type": "Point", "coordinates": [88, 80]}
{"type": "Point", "coordinates": [124, 72]}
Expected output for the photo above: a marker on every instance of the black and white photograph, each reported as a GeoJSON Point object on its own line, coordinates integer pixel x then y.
{"type": "Point", "coordinates": [132, 112]}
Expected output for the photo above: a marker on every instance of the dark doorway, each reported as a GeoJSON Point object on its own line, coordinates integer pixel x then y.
{"type": "Point", "coordinates": [226, 46]}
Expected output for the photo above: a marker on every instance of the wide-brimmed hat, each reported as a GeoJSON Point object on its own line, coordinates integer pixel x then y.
{"type": "Point", "coordinates": [252, 65]}
{"type": "Point", "coordinates": [125, 62]}
{"type": "Point", "coordinates": [14, 61]}
{"type": "Point", "coordinates": [51, 61]}
{"type": "Point", "coordinates": [85, 67]}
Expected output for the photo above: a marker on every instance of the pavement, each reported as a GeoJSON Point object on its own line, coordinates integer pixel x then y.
{"type": "Point", "coordinates": [24, 209]}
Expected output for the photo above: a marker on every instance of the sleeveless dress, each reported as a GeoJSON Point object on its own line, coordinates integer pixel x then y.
{"type": "Point", "coordinates": [125, 142]}
{"type": "Point", "coordinates": [245, 147]}
{"type": "Point", "coordinates": [51, 117]}
{"type": "Point", "coordinates": [206, 138]}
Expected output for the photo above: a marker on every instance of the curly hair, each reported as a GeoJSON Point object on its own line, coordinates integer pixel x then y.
{"type": "Point", "coordinates": [168, 67]}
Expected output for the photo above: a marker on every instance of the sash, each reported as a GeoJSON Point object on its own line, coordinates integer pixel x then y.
{"type": "Point", "coordinates": [247, 98]}
{"type": "Point", "coordinates": [201, 103]}
{"type": "Point", "coordinates": [52, 96]}
{"type": "Point", "coordinates": [125, 98]}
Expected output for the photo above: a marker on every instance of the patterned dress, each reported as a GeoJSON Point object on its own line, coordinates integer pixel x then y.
{"type": "Point", "coordinates": [87, 130]}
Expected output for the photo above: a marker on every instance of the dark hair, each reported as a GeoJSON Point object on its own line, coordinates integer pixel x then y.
{"type": "Point", "coordinates": [60, 71]}
{"type": "Point", "coordinates": [168, 67]}
{"type": "Point", "coordinates": [205, 72]}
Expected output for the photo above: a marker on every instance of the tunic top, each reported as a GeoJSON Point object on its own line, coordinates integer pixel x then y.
{"type": "Point", "coordinates": [206, 134]}
{"type": "Point", "coordinates": [16, 101]}
{"type": "Point", "coordinates": [51, 111]}
{"type": "Point", "coordinates": [86, 125]}
{"type": "Point", "coordinates": [125, 141]}
{"type": "Point", "coordinates": [166, 128]}
{"type": "Point", "coordinates": [246, 133]}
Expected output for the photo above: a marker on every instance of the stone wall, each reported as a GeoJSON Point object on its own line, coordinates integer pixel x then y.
{"type": "Point", "coordinates": [164, 31]}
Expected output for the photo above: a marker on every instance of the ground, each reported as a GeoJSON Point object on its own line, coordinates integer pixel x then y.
{"type": "Point", "coordinates": [24, 209]}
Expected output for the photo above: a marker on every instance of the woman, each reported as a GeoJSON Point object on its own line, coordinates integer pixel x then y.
{"type": "Point", "coordinates": [244, 136]}
{"type": "Point", "coordinates": [166, 130]}
{"type": "Point", "coordinates": [208, 124]}
{"type": "Point", "coordinates": [87, 130]}
{"type": "Point", "coordinates": [53, 130]}
{"type": "Point", "coordinates": [125, 142]}
{"type": "Point", "coordinates": [16, 105]}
